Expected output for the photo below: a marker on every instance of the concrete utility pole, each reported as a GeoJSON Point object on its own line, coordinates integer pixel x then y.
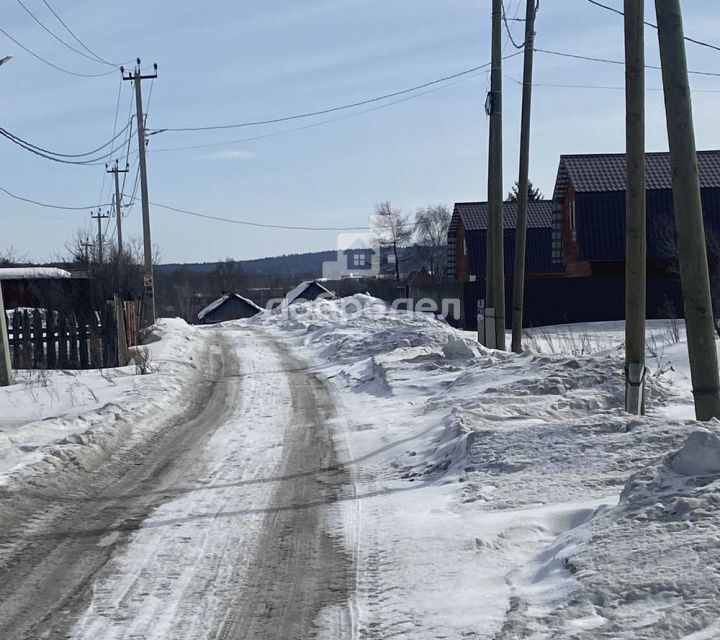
{"type": "Point", "coordinates": [495, 177]}
{"type": "Point", "coordinates": [692, 251]}
{"type": "Point", "coordinates": [99, 216]}
{"type": "Point", "coordinates": [635, 238]}
{"type": "Point", "coordinates": [6, 377]}
{"type": "Point", "coordinates": [5, 368]}
{"type": "Point", "coordinates": [118, 205]}
{"type": "Point", "coordinates": [148, 315]}
{"type": "Point", "coordinates": [523, 180]}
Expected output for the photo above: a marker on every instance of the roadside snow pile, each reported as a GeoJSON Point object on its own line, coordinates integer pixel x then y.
{"type": "Point", "coordinates": [361, 326]}
{"type": "Point", "coordinates": [488, 482]}
{"type": "Point", "coordinates": [51, 420]}
{"type": "Point", "coordinates": [649, 567]}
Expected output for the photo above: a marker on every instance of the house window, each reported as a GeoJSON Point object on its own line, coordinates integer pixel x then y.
{"type": "Point", "coordinates": [359, 260]}
{"type": "Point", "coordinates": [573, 221]}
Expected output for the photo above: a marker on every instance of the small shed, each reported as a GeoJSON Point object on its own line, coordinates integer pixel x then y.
{"type": "Point", "coordinates": [231, 306]}
{"type": "Point", "coordinates": [308, 291]}
{"type": "Point", "coordinates": [45, 287]}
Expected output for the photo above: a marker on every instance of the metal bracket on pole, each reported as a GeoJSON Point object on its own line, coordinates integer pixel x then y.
{"type": "Point", "coordinates": [486, 325]}
{"type": "Point", "coordinates": [635, 388]}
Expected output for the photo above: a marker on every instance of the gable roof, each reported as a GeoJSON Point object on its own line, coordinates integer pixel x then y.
{"type": "Point", "coordinates": [33, 273]}
{"type": "Point", "coordinates": [298, 291]}
{"type": "Point", "coordinates": [474, 215]}
{"type": "Point", "coordinates": [601, 172]}
{"type": "Point", "coordinates": [221, 301]}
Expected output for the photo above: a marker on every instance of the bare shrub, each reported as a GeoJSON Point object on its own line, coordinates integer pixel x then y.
{"type": "Point", "coordinates": [141, 358]}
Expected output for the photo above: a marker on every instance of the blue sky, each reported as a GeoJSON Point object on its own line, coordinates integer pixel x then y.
{"type": "Point", "coordinates": [225, 61]}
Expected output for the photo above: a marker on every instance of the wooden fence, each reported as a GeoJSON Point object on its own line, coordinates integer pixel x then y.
{"type": "Point", "coordinates": [47, 339]}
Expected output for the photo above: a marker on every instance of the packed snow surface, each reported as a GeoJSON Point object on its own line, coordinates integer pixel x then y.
{"type": "Point", "coordinates": [489, 484]}
{"type": "Point", "coordinates": [492, 495]}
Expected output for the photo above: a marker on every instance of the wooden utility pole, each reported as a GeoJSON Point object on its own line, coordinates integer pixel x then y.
{"type": "Point", "coordinates": [118, 205]}
{"type": "Point", "coordinates": [635, 238]}
{"type": "Point", "coordinates": [692, 251]}
{"type": "Point", "coordinates": [99, 216]}
{"type": "Point", "coordinates": [5, 367]}
{"type": "Point", "coordinates": [523, 180]}
{"type": "Point", "coordinates": [148, 314]}
{"type": "Point", "coordinates": [495, 178]}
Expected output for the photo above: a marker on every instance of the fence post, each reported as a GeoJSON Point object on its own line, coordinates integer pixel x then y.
{"type": "Point", "coordinates": [121, 334]}
{"type": "Point", "coordinates": [83, 342]}
{"type": "Point", "coordinates": [16, 340]}
{"type": "Point", "coordinates": [62, 340]}
{"type": "Point", "coordinates": [26, 350]}
{"type": "Point", "coordinates": [50, 338]}
{"type": "Point", "coordinates": [96, 351]}
{"type": "Point", "coordinates": [38, 349]}
{"type": "Point", "coordinates": [74, 362]}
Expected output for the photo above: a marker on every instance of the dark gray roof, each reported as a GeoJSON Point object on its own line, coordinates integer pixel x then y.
{"type": "Point", "coordinates": [474, 215]}
{"type": "Point", "coordinates": [606, 172]}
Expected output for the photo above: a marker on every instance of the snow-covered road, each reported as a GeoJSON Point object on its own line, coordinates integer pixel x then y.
{"type": "Point", "coordinates": [185, 534]}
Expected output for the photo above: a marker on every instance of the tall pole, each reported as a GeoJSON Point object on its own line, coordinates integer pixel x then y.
{"type": "Point", "coordinates": [495, 178]}
{"type": "Point", "coordinates": [100, 217]}
{"type": "Point", "coordinates": [523, 180]}
{"type": "Point", "coordinates": [116, 170]}
{"type": "Point", "coordinates": [692, 251]}
{"type": "Point", "coordinates": [635, 238]}
{"type": "Point", "coordinates": [148, 316]}
{"type": "Point", "coordinates": [5, 367]}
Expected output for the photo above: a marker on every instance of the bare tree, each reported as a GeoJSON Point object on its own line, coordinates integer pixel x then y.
{"type": "Point", "coordinates": [9, 257]}
{"type": "Point", "coordinates": [391, 228]}
{"type": "Point", "coordinates": [431, 229]}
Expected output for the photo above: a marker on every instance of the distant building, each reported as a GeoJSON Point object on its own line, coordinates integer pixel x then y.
{"type": "Point", "coordinates": [467, 237]}
{"type": "Point", "coordinates": [231, 306]}
{"type": "Point", "coordinates": [307, 292]}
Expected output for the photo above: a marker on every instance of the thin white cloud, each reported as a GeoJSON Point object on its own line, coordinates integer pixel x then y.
{"type": "Point", "coordinates": [231, 155]}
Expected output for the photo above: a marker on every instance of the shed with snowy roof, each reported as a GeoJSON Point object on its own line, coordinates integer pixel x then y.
{"type": "Point", "coordinates": [231, 306]}
{"type": "Point", "coordinates": [308, 291]}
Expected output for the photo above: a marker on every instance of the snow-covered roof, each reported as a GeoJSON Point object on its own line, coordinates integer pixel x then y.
{"type": "Point", "coordinates": [33, 273]}
{"type": "Point", "coordinates": [220, 301]}
{"type": "Point", "coordinates": [298, 291]}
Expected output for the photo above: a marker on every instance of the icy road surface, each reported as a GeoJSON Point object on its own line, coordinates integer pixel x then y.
{"type": "Point", "coordinates": [212, 527]}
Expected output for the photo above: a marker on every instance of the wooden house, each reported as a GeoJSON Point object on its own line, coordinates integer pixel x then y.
{"type": "Point", "coordinates": [467, 236]}
{"type": "Point", "coordinates": [588, 214]}
{"type": "Point", "coordinates": [231, 306]}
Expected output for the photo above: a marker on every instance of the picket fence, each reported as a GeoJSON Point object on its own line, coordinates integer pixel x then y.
{"type": "Point", "coordinates": [49, 339]}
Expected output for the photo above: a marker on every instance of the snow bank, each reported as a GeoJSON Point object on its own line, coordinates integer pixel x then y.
{"type": "Point", "coordinates": [54, 420]}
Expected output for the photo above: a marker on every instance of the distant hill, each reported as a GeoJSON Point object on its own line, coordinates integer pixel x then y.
{"type": "Point", "coordinates": [295, 264]}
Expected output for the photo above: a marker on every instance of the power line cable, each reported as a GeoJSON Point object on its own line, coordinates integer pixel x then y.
{"type": "Point", "coordinates": [52, 64]}
{"type": "Point", "coordinates": [617, 62]}
{"type": "Point", "coordinates": [654, 26]}
{"type": "Point", "coordinates": [80, 42]}
{"type": "Point", "coordinates": [320, 112]}
{"type": "Point", "coordinates": [99, 160]}
{"type": "Point", "coordinates": [273, 134]}
{"type": "Point", "coordinates": [54, 35]}
{"type": "Point", "coordinates": [507, 27]}
{"type": "Point", "coordinates": [252, 224]}
{"type": "Point", "coordinates": [47, 205]}
{"type": "Point", "coordinates": [30, 145]}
